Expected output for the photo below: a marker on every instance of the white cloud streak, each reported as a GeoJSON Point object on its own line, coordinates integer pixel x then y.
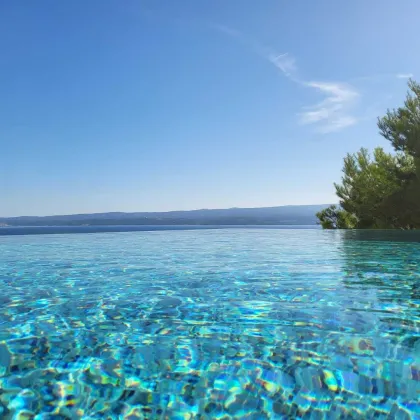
{"type": "Point", "coordinates": [328, 115]}
{"type": "Point", "coordinates": [284, 62]}
{"type": "Point", "coordinates": [332, 113]}
{"type": "Point", "coordinates": [404, 75]}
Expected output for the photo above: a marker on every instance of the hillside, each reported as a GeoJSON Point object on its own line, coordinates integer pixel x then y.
{"type": "Point", "coordinates": [283, 215]}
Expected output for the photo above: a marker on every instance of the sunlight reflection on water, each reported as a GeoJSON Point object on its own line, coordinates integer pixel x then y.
{"type": "Point", "coordinates": [245, 323]}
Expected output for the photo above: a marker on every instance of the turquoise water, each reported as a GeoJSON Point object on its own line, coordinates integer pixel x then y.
{"type": "Point", "coordinates": [210, 324]}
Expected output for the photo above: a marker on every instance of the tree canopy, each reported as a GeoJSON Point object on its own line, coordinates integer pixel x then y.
{"type": "Point", "coordinates": [382, 190]}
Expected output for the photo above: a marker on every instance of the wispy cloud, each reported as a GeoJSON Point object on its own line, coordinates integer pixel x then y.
{"type": "Point", "coordinates": [404, 75]}
{"type": "Point", "coordinates": [333, 112]}
{"type": "Point", "coordinates": [336, 110]}
{"type": "Point", "coordinates": [328, 115]}
{"type": "Point", "coordinates": [284, 62]}
{"type": "Point", "coordinates": [226, 30]}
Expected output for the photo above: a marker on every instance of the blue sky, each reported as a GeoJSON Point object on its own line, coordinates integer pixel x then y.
{"type": "Point", "coordinates": [164, 105]}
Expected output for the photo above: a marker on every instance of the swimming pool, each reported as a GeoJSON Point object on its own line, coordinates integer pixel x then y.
{"type": "Point", "coordinates": [210, 324]}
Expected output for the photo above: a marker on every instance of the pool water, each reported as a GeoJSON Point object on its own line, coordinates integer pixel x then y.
{"type": "Point", "coordinates": [210, 324]}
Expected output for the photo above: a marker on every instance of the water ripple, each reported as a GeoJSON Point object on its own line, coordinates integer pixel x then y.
{"type": "Point", "coordinates": [243, 324]}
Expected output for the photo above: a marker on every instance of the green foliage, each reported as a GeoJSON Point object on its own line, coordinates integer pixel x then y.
{"type": "Point", "coordinates": [383, 190]}
{"type": "Point", "coordinates": [401, 126]}
{"type": "Point", "coordinates": [368, 183]}
{"type": "Point", "coordinates": [334, 218]}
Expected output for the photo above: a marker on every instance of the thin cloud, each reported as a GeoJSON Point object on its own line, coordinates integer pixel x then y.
{"type": "Point", "coordinates": [381, 77]}
{"type": "Point", "coordinates": [226, 30]}
{"type": "Point", "coordinates": [330, 114]}
{"type": "Point", "coordinates": [404, 75]}
{"type": "Point", "coordinates": [284, 62]}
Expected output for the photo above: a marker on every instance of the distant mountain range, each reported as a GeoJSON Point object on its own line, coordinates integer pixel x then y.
{"type": "Point", "coordinates": [284, 215]}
